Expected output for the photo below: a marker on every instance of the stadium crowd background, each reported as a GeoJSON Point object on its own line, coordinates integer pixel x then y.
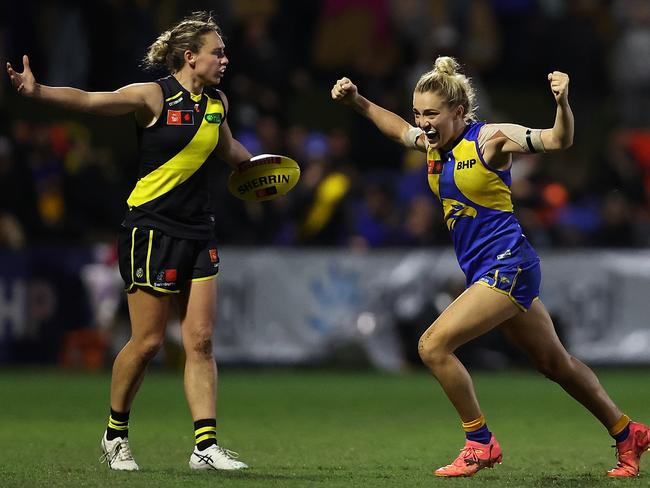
{"type": "Point", "coordinates": [64, 178]}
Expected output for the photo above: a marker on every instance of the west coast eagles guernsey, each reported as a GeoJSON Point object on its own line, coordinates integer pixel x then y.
{"type": "Point", "coordinates": [477, 208]}
{"type": "Point", "coordinates": [172, 193]}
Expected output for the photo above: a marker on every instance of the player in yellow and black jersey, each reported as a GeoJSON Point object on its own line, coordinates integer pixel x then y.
{"type": "Point", "coordinates": [168, 254]}
{"type": "Point", "coordinates": [469, 172]}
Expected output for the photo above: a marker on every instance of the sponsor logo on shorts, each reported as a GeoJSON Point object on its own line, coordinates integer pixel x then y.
{"type": "Point", "coordinates": [214, 255]}
{"type": "Point", "coordinates": [165, 278]}
{"type": "Point", "coordinates": [506, 254]}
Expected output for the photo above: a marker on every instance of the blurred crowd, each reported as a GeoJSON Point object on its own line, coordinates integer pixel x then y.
{"type": "Point", "coordinates": [64, 178]}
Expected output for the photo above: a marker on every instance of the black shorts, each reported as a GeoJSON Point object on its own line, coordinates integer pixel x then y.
{"type": "Point", "coordinates": [152, 259]}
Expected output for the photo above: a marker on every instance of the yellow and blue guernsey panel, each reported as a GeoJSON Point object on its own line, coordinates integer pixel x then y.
{"type": "Point", "coordinates": [477, 206]}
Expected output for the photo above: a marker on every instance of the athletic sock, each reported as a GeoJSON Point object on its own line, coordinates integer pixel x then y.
{"type": "Point", "coordinates": [118, 425]}
{"type": "Point", "coordinates": [621, 429]}
{"type": "Point", "coordinates": [205, 433]}
{"type": "Point", "coordinates": [477, 431]}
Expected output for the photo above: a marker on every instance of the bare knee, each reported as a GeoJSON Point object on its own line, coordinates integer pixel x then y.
{"type": "Point", "coordinates": [198, 344]}
{"type": "Point", "coordinates": [432, 350]}
{"type": "Point", "coordinates": [148, 346]}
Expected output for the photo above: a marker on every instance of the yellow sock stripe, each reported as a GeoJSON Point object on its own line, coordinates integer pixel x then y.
{"type": "Point", "coordinates": [211, 435]}
{"type": "Point", "coordinates": [118, 425]}
{"type": "Point", "coordinates": [474, 424]}
{"type": "Point", "coordinates": [203, 430]}
{"type": "Point", "coordinates": [618, 427]}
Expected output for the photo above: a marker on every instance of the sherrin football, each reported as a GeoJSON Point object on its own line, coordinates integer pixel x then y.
{"type": "Point", "coordinates": [264, 177]}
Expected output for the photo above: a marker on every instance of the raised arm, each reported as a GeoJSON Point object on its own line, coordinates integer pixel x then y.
{"type": "Point", "coordinates": [143, 98]}
{"type": "Point", "coordinates": [499, 140]}
{"type": "Point", "coordinates": [388, 123]}
{"type": "Point", "coordinates": [560, 136]}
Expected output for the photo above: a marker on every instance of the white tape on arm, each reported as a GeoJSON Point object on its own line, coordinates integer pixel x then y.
{"type": "Point", "coordinates": [529, 139]}
{"type": "Point", "coordinates": [412, 136]}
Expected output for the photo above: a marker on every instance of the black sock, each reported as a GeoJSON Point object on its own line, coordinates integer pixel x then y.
{"type": "Point", "coordinates": [118, 425]}
{"type": "Point", "coordinates": [205, 433]}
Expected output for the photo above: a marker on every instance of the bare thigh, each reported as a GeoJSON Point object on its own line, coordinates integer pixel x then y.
{"type": "Point", "coordinates": [476, 311]}
{"type": "Point", "coordinates": [148, 311]}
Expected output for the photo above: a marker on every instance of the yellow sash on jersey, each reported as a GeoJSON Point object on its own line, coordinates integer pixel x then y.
{"type": "Point", "coordinates": [184, 164]}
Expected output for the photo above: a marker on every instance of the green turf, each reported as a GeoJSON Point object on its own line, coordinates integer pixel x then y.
{"type": "Point", "coordinates": [310, 428]}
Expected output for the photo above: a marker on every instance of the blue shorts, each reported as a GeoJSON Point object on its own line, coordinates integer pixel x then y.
{"type": "Point", "coordinates": [520, 283]}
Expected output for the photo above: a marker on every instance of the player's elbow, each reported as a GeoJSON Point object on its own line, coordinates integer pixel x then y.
{"type": "Point", "coordinates": [559, 143]}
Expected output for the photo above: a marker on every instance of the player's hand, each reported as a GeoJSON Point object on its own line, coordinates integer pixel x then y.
{"type": "Point", "coordinates": [559, 86]}
{"type": "Point", "coordinates": [24, 82]}
{"type": "Point", "coordinates": [344, 91]}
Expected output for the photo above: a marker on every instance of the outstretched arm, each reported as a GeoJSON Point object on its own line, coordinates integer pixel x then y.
{"type": "Point", "coordinates": [388, 123]}
{"type": "Point", "coordinates": [138, 97]}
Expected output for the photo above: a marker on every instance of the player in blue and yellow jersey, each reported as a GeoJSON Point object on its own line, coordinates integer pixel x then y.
{"type": "Point", "coordinates": [168, 255]}
{"type": "Point", "coordinates": [469, 171]}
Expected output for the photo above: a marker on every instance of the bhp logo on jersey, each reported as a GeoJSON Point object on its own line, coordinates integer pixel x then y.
{"type": "Point", "coordinates": [180, 117]}
{"type": "Point", "coordinates": [465, 164]}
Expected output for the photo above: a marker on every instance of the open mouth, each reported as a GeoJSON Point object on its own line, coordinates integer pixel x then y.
{"type": "Point", "coordinates": [432, 135]}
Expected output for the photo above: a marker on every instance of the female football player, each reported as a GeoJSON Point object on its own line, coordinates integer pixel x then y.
{"type": "Point", "coordinates": [469, 171]}
{"type": "Point", "coordinates": [167, 250]}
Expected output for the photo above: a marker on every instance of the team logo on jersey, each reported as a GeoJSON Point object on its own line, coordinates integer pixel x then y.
{"type": "Point", "coordinates": [434, 166]}
{"type": "Point", "coordinates": [180, 117]}
{"type": "Point", "coordinates": [213, 118]}
{"type": "Point", "coordinates": [455, 210]}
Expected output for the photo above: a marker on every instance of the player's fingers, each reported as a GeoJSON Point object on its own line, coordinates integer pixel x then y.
{"type": "Point", "coordinates": [25, 62]}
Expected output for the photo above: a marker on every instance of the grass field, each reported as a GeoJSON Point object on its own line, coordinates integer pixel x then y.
{"type": "Point", "coordinates": [310, 428]}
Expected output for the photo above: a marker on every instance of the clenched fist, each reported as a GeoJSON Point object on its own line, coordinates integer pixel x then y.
{"type": "Point", "coordinates": [559, 86]}
{"type": "Point", "coordinates": [344, 91]}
